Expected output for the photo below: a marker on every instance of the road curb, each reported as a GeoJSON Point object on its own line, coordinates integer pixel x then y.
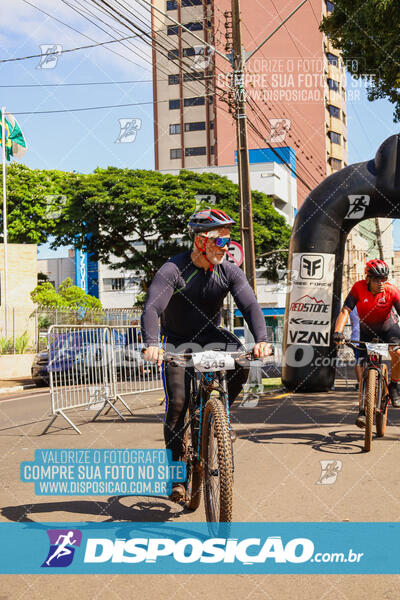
{"type": "Point", "coordinates": [17, 388]}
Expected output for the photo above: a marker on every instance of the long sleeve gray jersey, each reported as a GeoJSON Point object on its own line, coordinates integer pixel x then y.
{"type": "Point", "coordinates": [189, 301]}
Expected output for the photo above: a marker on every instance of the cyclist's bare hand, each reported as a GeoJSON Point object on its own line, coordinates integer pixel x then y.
{"type": "Point", "coordinates": [262, 349]}
{"type": "Point", "coordinates": [154, 354]}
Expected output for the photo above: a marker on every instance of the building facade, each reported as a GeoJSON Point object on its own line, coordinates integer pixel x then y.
{"type": "Point", "coordinates": [296, 87]}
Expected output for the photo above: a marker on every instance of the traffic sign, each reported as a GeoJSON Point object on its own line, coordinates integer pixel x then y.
{"type": "Point", "coordinates": [235, 254]}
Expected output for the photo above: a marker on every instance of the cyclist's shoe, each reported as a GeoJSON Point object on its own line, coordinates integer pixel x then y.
{"type": "Point", "coordinates": [394, 393]}
{"type": "Point", "coordinates": [178, 493]}
{"type": "Point", "coordinates": [361, 419]}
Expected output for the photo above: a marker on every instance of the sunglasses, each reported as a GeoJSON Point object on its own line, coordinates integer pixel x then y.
{"type": "Point", "coordinates": [221, 242]}
{"type": "Point", "coordinates": [379, 279]}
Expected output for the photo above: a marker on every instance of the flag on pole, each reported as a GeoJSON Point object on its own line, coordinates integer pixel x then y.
{"type": "Point", "coordinates": [15, 144]}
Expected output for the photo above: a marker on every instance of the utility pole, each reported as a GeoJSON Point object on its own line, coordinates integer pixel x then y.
{"type": "Point", "coordinates": [379, 238]}
{"type": "Point", "coordinates": [246, 209]}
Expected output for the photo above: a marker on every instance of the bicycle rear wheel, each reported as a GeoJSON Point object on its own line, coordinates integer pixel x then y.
{"type": "Point", "coordinates": [370, 394]}
{"type": "Point", "coordinates": [217, 461]}
{"type": "Point", "coordinates": [381, 417]}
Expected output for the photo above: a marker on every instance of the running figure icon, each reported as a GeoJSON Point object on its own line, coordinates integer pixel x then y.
{"type": "Point", "coordinates": [63, 543]}
{"type": "Point", "coordinates": [62, 549]}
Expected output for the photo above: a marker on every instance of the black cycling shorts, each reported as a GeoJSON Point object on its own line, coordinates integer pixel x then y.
{"type": "Point", "coordinates": [388, 333]}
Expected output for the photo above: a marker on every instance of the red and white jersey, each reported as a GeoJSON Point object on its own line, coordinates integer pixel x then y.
{"type": "Point", "coordinates": [373, 310]}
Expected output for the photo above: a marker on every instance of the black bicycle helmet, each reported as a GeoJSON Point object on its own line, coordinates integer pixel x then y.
{"type": "Point", "coordinates": [209, 219]}
{"type": "Point", "coordinates": [377, 268]}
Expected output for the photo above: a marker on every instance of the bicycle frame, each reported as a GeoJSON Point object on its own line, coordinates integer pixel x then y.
{"type": "Point", "coordinates": [201, 394]}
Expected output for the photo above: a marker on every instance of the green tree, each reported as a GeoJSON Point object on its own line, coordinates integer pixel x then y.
{"type": "Point", "coordinates": [35, 203]}
{"type": "Point", "coordinates": [68, 296]}
{"type": "Point", "coordinates": [367, 34]}
{"type": "Point", "coordinates": [141, 216]}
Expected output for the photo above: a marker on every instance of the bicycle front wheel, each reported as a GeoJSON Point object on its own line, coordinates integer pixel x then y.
{"type": "Point", "coordinates": [193, 468]}
{"type": "Point", "coordinates": [370, 394]}
{"type": "Point", "coordinates": [381, 417]}
{"type": "Point", "coordinates": [217, 462]}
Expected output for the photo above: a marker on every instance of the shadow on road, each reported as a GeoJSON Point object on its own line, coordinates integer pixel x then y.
{"type": "Point", "coordinates": [158, 510]}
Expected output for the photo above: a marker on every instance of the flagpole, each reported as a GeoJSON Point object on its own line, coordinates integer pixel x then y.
{"type": "Point", "coordinates": [3, 145]}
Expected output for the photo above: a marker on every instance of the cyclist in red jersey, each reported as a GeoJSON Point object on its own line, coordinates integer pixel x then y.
{"type": "Point", "coordinates": [375, 299]}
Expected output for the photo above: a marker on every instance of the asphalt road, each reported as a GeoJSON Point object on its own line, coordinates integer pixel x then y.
{"type": "Point", "coordinates": [277, 458]}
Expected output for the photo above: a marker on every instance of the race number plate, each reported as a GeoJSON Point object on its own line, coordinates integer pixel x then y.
{"type": "Point", "coordinates": [213, 361]}
{"type": "Point", "coordinates": [381, 349]}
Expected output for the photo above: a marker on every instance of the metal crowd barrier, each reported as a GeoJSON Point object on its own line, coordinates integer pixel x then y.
{"type": "Point", "coordinates": [133, 375]}
{"type": "Point", "coordinates": [94, 367]}
{"type": "Point", "coordinates": [81, 366]}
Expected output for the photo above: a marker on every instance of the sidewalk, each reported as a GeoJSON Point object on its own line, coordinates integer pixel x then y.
{"type": "Point", "coordinates": [16, 385]}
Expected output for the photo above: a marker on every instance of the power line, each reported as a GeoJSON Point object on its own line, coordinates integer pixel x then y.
{"type": "Point", "coordinates": [5, 60]}
{"type": "Point", "coordinates": [39, 85]}
{"type": "Point", "coordinates": [81, 33]}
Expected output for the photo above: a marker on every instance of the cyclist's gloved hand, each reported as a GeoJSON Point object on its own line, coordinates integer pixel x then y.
{"type": "Point", "coordinates": [338, 338]}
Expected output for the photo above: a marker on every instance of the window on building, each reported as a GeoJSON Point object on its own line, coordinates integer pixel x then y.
{"type": "Point", "coordinates": [173, 54]}
{"type": "Point", "coordinates": [189, 52]}
{"type": "Point", "coordinates": [211, 124]}
{"type": "Point", "coordinates": [193, 2]}
{"type": "Point", "coordinates": [332, 59]}
{"type": "Point", "coordinates": [334, 111]}
{"type": "Point", "coordinates": [193, 75]}
{"type": "Point", "coordinates": [335, 163]}
{"type": "Point", "coordinates": [196, 101]}
{"type": "Point", "coordinates": [173, 79]}
{"type": "Point", "coordinates": [344, 117]}
{"type": "Point", "coordinates": [174, 104]}
{"type": "Point", "coordinates": [172, 4]}
{"type": "Point", "coordinates": [195, 26]}
{"type": "Point", "coordinates": [335, 138]}
{"type": "Point", "coordinates": [333, 84]}
{"type": "Point", "coordinates": [176, 128]}
{"type": "Point", "coordinates": [199, 151]}
{"type": "Point", "coordinates": [175, 153]}
{"type": "Point", "coordinates": [329, 6]}
{"type": "Point", "coordinates": [196, 126]}
{"type": "Point", "coordinates": [114, 284]}
{"type": "Point", "coordinates": [172, 29]}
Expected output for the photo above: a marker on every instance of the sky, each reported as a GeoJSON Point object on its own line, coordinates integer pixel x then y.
{"type": "Point", "coordinates": [83, 140]}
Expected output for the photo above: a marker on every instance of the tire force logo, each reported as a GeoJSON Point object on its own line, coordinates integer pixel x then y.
{"type": "Point", "coordinates": [311, 266]}
{"type": "Point", "coordinates": [62, 547]}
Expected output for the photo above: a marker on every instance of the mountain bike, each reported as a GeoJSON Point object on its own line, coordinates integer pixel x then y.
{"type": "Point", "coordinates": [207, 443]}
{"type": "Point", "coordinates": [373, 391]}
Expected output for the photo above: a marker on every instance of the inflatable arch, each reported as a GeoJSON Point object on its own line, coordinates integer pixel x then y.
{"type": "Point", "coordinates": [360, 191]}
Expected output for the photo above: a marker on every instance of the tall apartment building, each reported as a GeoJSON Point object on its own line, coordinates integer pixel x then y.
{"type": "Point", "coordinates": [296, 89]}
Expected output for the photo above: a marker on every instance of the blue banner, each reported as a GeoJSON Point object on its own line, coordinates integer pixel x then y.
{"type": "Point", "coordinates": [201, 548]}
